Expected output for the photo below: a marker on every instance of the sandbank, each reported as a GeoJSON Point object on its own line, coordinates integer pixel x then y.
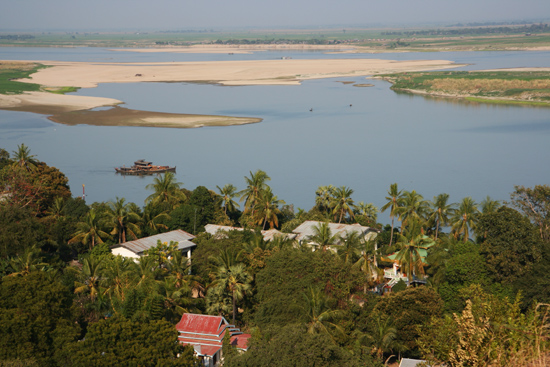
{"type": "Point", "coordinates": [71, 109]}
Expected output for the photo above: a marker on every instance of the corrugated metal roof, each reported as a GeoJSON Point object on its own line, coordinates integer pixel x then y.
{"type": "Point", "coordinates": [217, 231]}
{"type": "Point", "coordinates": [306, 229]}
{"type": "Point", "coordinates": [202, 324]}
{"type": "Point", "coordinates": [181, 237]}
{"type": "Point", "coordinates": [240, 341]}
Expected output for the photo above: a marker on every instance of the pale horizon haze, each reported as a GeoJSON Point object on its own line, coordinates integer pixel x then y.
{"type": "Point", "coordinates": [78, 15]}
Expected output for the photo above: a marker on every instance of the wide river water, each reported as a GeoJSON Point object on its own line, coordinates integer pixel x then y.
{"type": "Point", "coordinates": [424, 144]}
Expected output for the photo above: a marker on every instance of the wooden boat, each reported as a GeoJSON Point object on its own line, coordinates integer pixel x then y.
{"type": "Point", "coordinates": [142, 167]}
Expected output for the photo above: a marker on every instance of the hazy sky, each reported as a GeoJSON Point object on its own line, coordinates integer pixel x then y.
{"type": "Point", "coordinates": [216, 14]}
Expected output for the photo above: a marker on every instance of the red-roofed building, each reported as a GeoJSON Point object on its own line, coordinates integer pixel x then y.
{"type": "Point", "coordinates": [205, 333]}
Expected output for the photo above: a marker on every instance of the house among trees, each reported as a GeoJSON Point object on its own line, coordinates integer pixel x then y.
{"type": "Point", "coordinates": [306, 231]}
{"type": "Point", "coordinates": [205, 333]}
{"type": "Point", "coordinates": [268, 235]}
{"type": "Point", "coordinates": [135, 249]}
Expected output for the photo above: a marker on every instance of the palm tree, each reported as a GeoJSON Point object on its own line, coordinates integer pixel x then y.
{"type": "Point", "coordinates": [413, 207]}
{"type": "Point", "coordinates": [350, 247]}
{"type": "Point", "coordinates": [118, 274]}
{"type": "Point", "coordinates": [89, 277]}
{"type": "Point", "coordinates": [166, 190]}
{"type": "Point", "coordinates": [394, 202]}
{"type": "Point", "coordinates": [323, 197]}
{"type": "Point", "coordinates": [237, 281]}
{"type": "Point", "coordinates": [319, 314]}
{"type": "Point", "coordinates": [464, 218]}
{"type": "Point", "coordinates": [254, 186]}
{"type": "Point", "coordinates": [179, 269]}
{"type": "Point", "coordinates": [90, 230]}
{"type": "Point", "coordinates": [154, 222]}
{"type": "Point", "coordinates": [322, 236]}
{"type": "Point", "coordinates": [489, 205]}
{"type": "Point", "coordinates": [367, 210]}
{"type": "Point", "coordinates": [123, 220]}
{"type": "Point", "coordinates": [27, 263]}
{"type": "Point", "coordinates": [267, 208]}
{"type": "Point", "coordinates": [441, 211]}
{"type": "Point", "coordinates": [228, 192]}
{"type": "Point", "coordinates": [409, 250]}
{"type": "Point", "coordinates": [367, 263]}
{"type": "Point", "coordinates": [342, 203]}
{"type": "Point", "coordinates": [22, 157]}
{"type": "Point", "coordinates": [56, 211]}
{"type": "Point", "coordinates": [383, 335]}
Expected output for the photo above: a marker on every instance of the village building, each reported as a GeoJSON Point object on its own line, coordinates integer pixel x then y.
{"type": "Point", "coordinates": [268, 235]}
{"type": "Point", "coordinates": [135, 249]}
{"type": "Point", "coordinates": [306, 230]}
{"type": "Point", "coordinates": [205, 333]}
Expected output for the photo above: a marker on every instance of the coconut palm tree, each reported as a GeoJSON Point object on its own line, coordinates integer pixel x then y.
{"type": "Point", "coordinates": [167, 191]}
{"type": "Point", "coordinates": [489, 205]}
{"type": "Point", "coordinates": [179, 270]}
{"type": "Point", "coordinates": [267, 208]}
{"type": "Point", "coordinates": [118, 274]}
{"type": "Point", "coordinates": [123, 220]}
{"type": "Point", "coordinates": [228, 192]}
{"type": "Point", "coordinates": [409, 250]}
{"type": "Point", "coordinates": [90, 231]}
{"type": "Point", "coordinates": [350, 248]}
{"type": "Point", "coordinates": [441, 211]}
{"type": "Point", "coordinates": [89, 278]}
{"type": "Point", "coordinates": [28, 262]}
{"type": "Point", "coordinates": [319, 314]}
{"type": "Point", "coordinates": [22, 157]}
{"type": "Point", "coordinates": [383, 335]}
{"type": "Point", "coordinates": [394, 202]}
{"type": "Point", "coordinates": [342, 203]}
{"type": "Point", "coordinates": [322, 236]}
{"type": "Point", "coordinates": [255, 184]}
{"type": "Point", "coordinates": [464, 218]}
{"type": "Point", "coordinates": [413, 207]}
{"type": "Point", "coordinates": [367, 263]}
{"type": "Point", "coordinates": [152, 221]}
{"type": "Point", "coordinates": [237, 281]}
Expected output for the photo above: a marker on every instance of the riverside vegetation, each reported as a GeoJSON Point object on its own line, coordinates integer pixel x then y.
{"type": "Point", "coordinates": [508, 87]}
{"type": "Point", "coordinates": [66, 300]}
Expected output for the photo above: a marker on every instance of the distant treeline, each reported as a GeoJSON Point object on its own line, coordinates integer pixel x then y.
{"type": "Point", "coordinates": [276, 41]}
{"type": "Point", "coordinates": [16, 37]}
{"type": "Point", "coordinates": [465, 31]}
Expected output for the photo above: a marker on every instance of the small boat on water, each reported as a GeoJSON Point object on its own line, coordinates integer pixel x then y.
{"type": "Point", "coordinates": [142, 167]}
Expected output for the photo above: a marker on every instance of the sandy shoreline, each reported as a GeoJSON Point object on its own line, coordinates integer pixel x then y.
{"type": "Point", "coordinates": [254, 72]}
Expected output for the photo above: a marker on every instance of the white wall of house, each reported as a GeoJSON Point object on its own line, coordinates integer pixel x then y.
{"type": "Point", "coordinates": [124, 252]}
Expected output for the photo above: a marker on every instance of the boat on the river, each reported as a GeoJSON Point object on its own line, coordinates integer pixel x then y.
{"type": "Point", "coordinates": [143, 167]}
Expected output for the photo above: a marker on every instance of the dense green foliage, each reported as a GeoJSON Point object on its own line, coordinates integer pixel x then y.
{"type": "Point", "coordinates": [470, 276]}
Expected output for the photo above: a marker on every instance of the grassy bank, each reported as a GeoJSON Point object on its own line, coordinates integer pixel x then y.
{"type": "Point", "coordinates": [12, 70]}
{"type": "Point", "coordinates": [17, 70]}
{"type": "Point", "coordinates": [503, 87]}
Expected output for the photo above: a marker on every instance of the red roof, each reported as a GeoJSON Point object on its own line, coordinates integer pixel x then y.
{"type": "Point", "coordinates": [240, 341]}
{"type": "Point", "coordinates": [201, 324]}
{"type": "Point", "coordinates": [206, 333]}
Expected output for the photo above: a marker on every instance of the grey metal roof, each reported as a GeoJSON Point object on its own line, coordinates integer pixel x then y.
{"type": "Point", "coordinates": [217, 231]}
{"type": "Point", "coordinates": [181, 237]}
{"type": "Point", "coordinates": [306, 229]}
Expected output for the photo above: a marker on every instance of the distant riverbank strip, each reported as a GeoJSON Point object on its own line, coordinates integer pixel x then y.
{"type": "Point", "coordinates": [73, 109]}
{"type": "Point", "coordinates": [520, 86]}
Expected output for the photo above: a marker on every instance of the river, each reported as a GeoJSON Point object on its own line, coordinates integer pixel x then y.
{"type": "Point", "coordinates": [424, 144]}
